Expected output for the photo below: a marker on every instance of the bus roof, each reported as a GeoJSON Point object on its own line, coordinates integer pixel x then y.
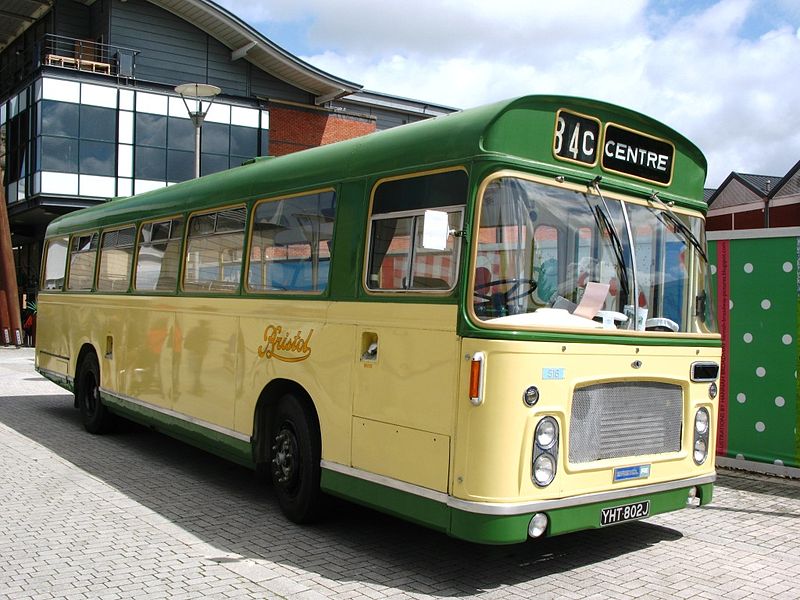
{"type": "Point", "coordinates": [518, 130]}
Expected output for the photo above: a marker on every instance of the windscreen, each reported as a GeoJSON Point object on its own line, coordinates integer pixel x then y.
{"type": "Point", "coordinates": [549, 256]}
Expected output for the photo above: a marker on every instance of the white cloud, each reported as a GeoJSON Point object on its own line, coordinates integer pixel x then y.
{"type": "Point", "coordinates": [704, 72]}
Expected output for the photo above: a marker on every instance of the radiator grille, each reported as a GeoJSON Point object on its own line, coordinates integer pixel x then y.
{"type": "Point", "coordinates": [614, 420]}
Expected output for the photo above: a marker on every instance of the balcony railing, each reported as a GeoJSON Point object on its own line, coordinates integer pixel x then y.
{"type": "Point", "coordinates": [86, 55]}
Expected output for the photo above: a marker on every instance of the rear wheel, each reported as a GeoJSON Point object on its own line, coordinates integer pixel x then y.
{"type": "Point", "coordinates": [294, 460]}
{"type": "Point", "coordinates": [94, 414]}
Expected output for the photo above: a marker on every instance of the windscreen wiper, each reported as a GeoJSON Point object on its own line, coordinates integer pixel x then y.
{"type": "Point", "coordinates": [604, 222]}
{"type": "Point", "coordinates": [679, 225]}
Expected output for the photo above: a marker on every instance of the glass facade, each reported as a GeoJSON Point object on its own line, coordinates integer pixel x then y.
{"type": "Point", "coordinates": [71, 138]}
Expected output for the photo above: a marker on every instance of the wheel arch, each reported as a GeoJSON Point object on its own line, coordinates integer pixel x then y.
{"type": "Point", "coordinates": [262, 423]}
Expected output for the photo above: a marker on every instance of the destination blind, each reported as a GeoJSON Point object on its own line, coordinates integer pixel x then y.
{"type": "Point", "coordinates": [631, 153]}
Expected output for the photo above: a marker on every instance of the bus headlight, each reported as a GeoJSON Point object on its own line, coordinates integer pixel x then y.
{"type": "Point", "coordinates": [702, 430]}
{"type": "Point", "coordinates": [546, 433]}
{"type": "Point", "coordinates": [545, 452]}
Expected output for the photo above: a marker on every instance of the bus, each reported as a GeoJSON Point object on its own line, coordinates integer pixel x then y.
{"type": "Point", "coordinates": [497, 323]}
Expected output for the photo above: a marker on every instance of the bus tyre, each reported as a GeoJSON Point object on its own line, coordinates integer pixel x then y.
{"type": "Point", "coordinates": [94, 414]}
{"type": "Point", "coordinates": [294, 460]}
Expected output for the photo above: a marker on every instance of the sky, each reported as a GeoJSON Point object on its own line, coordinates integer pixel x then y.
{"type": "Point", "coordinates": [724, 73]}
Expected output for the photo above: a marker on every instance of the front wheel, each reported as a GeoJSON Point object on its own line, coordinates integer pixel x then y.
{"type": "Point", "coordinates": [94, 414]}
{"type": "Point", "coordinates": [295, 455]}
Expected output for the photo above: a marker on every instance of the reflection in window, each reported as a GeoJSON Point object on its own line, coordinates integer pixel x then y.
{"type": "Point", "coordinates": [397, 260]}
{"type": "Point", "coordinates": [158, 260]}
{"type": "Point", "coordinates": [97, 158]}
{"type": "Point", "coordinates": [244, 141]}
{"type": "Point", "coordinates": [59, 118]}
{"type": "Point", "coordinates": [151, 130]}
{"type": "Point", "coordinates": [116, 255]}
{"type": "Point", "coordinates": [214, 251]}
{"type": "Point", "coordinates": [150, 163]}
{"type": "Point", "coordinates": [215, 138]}
{"type": "Point", "coordinates": [213, 163]}
{"type": "Point", "coordinates": [55, 264]}
{"type": "Point", "coordinates": [59, 154]}
{"type": "Point", "coordinates": [180, 165]}
{"type": "Point", "coordinates": [180, 134]}
{"type": "Point", "coordinates": [98, 123]}
{"type": "Point", "coordinates": [291, 244]}
{"type": "Point", "coordinates": [83, 254]}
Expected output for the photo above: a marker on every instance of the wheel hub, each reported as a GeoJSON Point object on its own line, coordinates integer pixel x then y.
{"type": "Point", "coordinates": [284, 465]}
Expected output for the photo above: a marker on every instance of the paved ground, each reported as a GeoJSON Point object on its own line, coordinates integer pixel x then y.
{"type": "Point", "coordinates": [138, 515]}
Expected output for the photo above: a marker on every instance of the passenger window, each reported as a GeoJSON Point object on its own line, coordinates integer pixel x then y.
{"type": "Point", "coordinates": [82, 258]}
{"type": "Point", "coordinates": [116, 256]}
{"type": "Point", "coordinates": [159, 256]}
{"type": "Point", "coordinates": [214, 251]}
{"type": "Point", "coordinates": [290, 250]}
{"type": "Point", "coordinates": [55, 264]}
{"type": "Point", "coordinates": [397, 259]}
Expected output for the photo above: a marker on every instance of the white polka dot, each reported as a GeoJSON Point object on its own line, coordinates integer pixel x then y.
{"type": "Point", "coordinates": [741, 398]}
{"type": "Point", "coordinates": [778, 462]}
{"type": "Point", "coordinates": [780, 401]}
{"type": "Point", "coordinates": [761, 371]}
{"type": "Point", "coordinates": [740, 457]}
{"type": "Point", "coordinates": [748, 267]}
{"type": "Point", "coordinates": [747, 337]}
{"type": "Point", "coordinates": [730, 304]}
{"type": "Point", "coordinates": [787, 339]}
{"type": "Point", "coordinates": [765, 304]}
{"type": "Point", "coordinates": [760, 427]}
{"type": "Point", "coordinates": [713, 269]}
{"type": "Point", "coordinates": [787, 267]}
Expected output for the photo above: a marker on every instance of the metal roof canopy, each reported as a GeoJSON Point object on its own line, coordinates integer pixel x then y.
{"type": "Point", "coordinates": [17, 15]}
{"type": "Point", "coordinates": [245, 42]}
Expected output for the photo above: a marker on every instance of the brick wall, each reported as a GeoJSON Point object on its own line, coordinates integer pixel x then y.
{"type": "Point", "coordinates": [295, 128]}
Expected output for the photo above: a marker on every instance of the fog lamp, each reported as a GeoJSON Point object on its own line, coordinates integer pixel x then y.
{"type": "Point", "coordinates": [538, 525]}
{"type": "Point", "coordinates": [531, 396]}
{"type": "Point", "coordinates": [700, 451]}
{"type": "Point", "coordinates": [544, 469]}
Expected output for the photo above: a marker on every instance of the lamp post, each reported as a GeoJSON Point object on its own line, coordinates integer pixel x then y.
{"type": "Point", "coordinates": [198, 91]}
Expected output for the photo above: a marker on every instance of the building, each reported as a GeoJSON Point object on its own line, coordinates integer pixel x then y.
{"type": "Point", "coordinates": [755, 201]}
{"type": "Point", "coordinates": [88, 108]}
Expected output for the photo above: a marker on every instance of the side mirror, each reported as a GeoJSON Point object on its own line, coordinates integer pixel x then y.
{"type": "Point", "coordinates": [435, 230]}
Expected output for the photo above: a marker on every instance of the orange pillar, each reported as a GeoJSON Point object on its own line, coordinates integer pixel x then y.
{"type": "Point", "coordinates": [8, 273]}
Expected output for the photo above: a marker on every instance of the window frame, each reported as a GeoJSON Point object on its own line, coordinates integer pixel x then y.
{"type": "Point", "coordinates": [458, 249]}
{"type": "Point", "coordinates": [103, 233]}
{"type": "Point", "coordinates": [185, 251]}
{"type": "Point", "coordinates": [249, 244]}
{"type": "Point", "coordinates": [178, 275]}
{"type": "Point", "coordinates": [43, 277]}
{"type": "Point", "coordinates": [68, 274]}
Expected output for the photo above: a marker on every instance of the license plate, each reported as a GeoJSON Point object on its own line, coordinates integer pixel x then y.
{"type": "Point", "coordinates": [626, 512]}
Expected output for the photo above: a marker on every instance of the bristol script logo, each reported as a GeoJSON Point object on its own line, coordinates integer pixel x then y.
{"type": "Point", "coordinates": [283, 346]}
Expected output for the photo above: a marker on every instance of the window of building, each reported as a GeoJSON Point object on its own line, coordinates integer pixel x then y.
{"type": "Point", "coordinates": [82, 257]}
{"type": "Point", "coordinates": [159, 256]}
{"type": "Point", "coordinates": [290, 249]}
{"type": "Point", "coordinates": [214, 250]}
{"type": "Point", "coordinates": [116, 256]}
{"type": "Point", "coordinates": [397, 259]}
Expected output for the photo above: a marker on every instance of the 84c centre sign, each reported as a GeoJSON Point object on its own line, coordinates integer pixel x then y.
{"type": "Point", "coordinates": [578, 139]}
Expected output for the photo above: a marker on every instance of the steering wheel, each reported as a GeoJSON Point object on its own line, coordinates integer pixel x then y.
{"type": "Point", "coordinates": [528, 286]}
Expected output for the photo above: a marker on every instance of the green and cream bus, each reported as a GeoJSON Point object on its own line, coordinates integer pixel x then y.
{"type": "Point", "coordinates": [497, 323]}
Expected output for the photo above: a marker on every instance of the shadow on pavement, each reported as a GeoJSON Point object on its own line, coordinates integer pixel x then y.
{"type": "Point", "coordinates": [223, 505]}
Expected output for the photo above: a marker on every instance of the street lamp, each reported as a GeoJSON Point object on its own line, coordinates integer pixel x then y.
{"type": "Point", "coordinates": [198, 91]}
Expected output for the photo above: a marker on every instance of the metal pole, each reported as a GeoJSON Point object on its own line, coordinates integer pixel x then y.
{"type": "Point", "coordinates": [197, 119]}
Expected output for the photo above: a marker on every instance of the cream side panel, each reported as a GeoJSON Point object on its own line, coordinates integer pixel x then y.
{"type": "Point", "coordinates": [205, 384]}
{"type": "Point", "coordinates": [146, 353]}
{"type": "Point", "coordinates": [53, 351]}
{"type": "Point", "coordinates": [403, 399]}
{"type": "Point", "coordinates": [493, 448]}
{"type": "Point", "coordinates": [296, 340]}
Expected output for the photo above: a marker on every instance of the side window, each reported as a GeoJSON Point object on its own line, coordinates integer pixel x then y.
{"type": "Point", "coordinates": [55, 264]}
{"type": "Point", "coordinates": [397, 259]}
{"type": "Point", "coordinates": [159, 256]}
{"type": "Point", "coordinates": [82, 257]}
{"type": "Point", "coordinates": [214, 251]}
{"type": "Point", "coordinates": [290, 250]}
{"type": "Point", "coordinates": [116, 256]}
